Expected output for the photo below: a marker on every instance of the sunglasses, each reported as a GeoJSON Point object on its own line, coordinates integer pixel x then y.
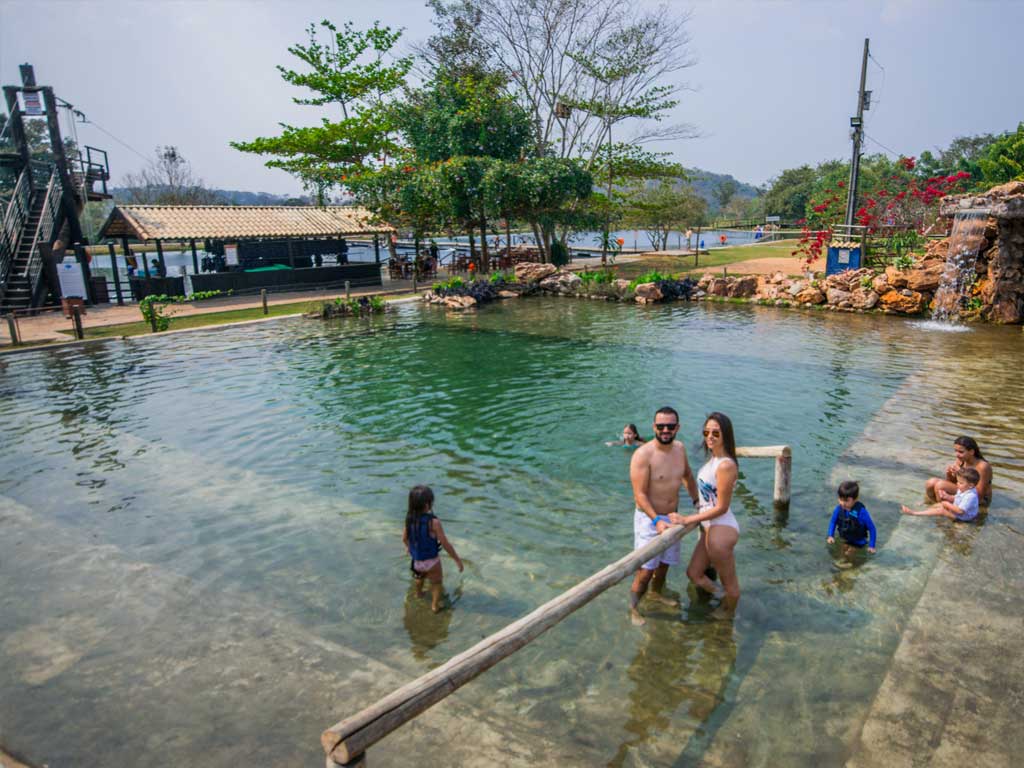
{"type": "Point", "coordinates": [712, 433]}
{"type": "Point", "coordinates": [662, 427]}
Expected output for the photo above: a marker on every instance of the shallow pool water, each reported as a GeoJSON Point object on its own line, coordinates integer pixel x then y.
{"type": "Point", "coordinates": [200, 534]}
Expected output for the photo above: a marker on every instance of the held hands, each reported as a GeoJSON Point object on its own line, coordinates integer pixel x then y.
{"type": "Point", "coordinates": [676, 519]}
{"type": "Point", "coordinates": [661, 526]}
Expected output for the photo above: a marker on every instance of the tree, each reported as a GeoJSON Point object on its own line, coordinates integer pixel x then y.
{"type": "Point", "coordinates": [168, 180]}
{"type": "Point", "coordinates": [1004, 159]}
{"type": "Point", "coordinates": [350, 72]}
{"type": "Point", "coordinates": [789, 192]}
{"type": "Point", "coordinates": [599, 58]}
{"type": "Point", "coordinates": [724, 191]}
{"type": "Point", "coordinates": [662, 209]}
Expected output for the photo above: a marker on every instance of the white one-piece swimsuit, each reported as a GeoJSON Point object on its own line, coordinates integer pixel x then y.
{"type": "Point", "coordinates": [707, 484]}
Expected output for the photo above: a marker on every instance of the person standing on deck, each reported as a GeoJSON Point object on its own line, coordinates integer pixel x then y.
{"type": "Point", "coordinates": [657, 471]}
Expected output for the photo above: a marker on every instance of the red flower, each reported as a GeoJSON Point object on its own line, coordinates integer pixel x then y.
{"type": "Point", "coordinates": [908, 163]}
{"type": "Point", "coordinates": [841, 184]}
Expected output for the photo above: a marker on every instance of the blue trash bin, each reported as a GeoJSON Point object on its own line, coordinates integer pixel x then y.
{"type": "Point", "coordinates": [841, 259]}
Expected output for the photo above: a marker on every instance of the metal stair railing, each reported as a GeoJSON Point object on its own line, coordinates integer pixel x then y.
{"type": "Point", "coordinates": [15, 216]}
{"type": "Point", "coordinates": [46, 232]}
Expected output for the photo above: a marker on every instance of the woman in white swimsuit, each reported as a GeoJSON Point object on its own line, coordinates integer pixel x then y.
{"type": "Point", "coordinates": [719, 529]}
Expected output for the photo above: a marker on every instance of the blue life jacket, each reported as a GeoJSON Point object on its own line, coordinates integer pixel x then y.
{"type": "Point", "coordinates": [849, 524]}
{"type": "Point", "coordinates": [423, 546]}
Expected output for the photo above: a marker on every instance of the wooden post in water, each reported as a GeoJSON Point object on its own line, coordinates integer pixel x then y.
{"type": "Point", "coordinates": [783, 456]}
{"type": "Point", "coordinates": [12, 327]}
{"type": "Point", "coordinates": [76, 318]}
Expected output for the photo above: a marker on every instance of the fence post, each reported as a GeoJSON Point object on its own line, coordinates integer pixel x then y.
{"type": "Point", "coordinates": [117, 276]}
{"type": "Point", "coordinates": [12, 325]}
{"type": "Point", "coordinates": [348, 290]}
{"type": "Point", "coordinates": [414, 288]}
{"type": "Point", "coordinates": [263, 297]}
{"type": "Point", "coordinates": [152, 316]}
{"type": "Point", "coordinates": [783, 472]}
{"type": "Point", "coordinates": [76, 318]}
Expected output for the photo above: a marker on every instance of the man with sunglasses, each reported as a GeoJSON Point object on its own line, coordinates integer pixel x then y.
{"type": "Point", "coordinates": [658, 469]}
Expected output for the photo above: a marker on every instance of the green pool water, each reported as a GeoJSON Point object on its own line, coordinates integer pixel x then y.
{"type": "Point", "coordinates": [200, 534]}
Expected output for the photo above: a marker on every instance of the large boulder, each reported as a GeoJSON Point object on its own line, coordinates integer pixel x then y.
{"type": "Point", "coordinates": [797, 287]}
{"type": "Point", "coordinates": [839, 298]}
{"type": "Point", "coordinates": [880, 284]}
{"type": "Point", "coordinates": [904, 301]}
{"type": "Point", "coordinates": [561, 281]}
{"type": "Point", "coordinates": [621, 286]}
{"type": "Point", "coordinates": [925, 278]}
{"type": "Point", "coordinates": [863, 298]}
{"type": "Point", "coordinates": [459, 302]}
{"type": "Point", "coordinates": [810, 295]}
{"type": "Point", "coordinates": [648, 293]}
{"type": "Point", "coordinates": [718, 286]}
{"type": "Point", "coordinates": [896, 278]}
{"type": "Point", "coordinates": [532, 272]}
{"type": "Point", "coordinates": [936, 250]}
{"type": "Point", "coordinates": [743, 287]}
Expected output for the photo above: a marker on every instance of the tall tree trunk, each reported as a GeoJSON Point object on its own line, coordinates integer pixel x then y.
{"type": "Point", "coordinates": [472, 246]}
{"type": "Point", "coordinates": [538, 239]}
{"type": "Point", "coordinates": [485, 261]}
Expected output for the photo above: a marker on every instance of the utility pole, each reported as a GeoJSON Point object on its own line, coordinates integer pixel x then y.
{"type": "Point", "coordinates": [857, 123]}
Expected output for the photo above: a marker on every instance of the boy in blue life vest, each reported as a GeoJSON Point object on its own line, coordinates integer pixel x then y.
{"type": "Point", "coordinates": [424, 537]}
{"type": "Point", "coordinates": [852, 519]}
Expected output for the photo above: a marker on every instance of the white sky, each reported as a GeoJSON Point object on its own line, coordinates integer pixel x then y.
{"type": "Point", "coordinates": [775, 82]}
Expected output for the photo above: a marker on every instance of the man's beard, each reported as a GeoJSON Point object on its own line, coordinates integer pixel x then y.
{"type": "Point", "coordinates": [664, 440]}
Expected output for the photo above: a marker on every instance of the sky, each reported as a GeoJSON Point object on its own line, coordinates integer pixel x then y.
{"type": "Point", "coordinates": [774, 84]}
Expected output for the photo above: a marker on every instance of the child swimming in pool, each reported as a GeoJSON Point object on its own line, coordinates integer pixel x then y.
{"type": "Point", "coordinates": [962, 506]}
{"type": "Point", "coordinates": [423, 537]}
{"type": "Point", "coordinates": [630, 437]}
{"type": "Point", "coordinates": [855, 525]}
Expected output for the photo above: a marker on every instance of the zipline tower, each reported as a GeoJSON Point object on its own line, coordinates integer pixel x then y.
{"type": "Point", "coordinates": [47, 194]}
{"type": "Point", "coordinates": [857, 134]}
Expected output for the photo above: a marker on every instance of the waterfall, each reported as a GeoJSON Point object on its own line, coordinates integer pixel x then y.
{"type": "Point", "coordinates": [966, 240]}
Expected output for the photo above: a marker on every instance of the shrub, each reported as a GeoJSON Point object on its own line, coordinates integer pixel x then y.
{"type": "Point", "coordinates": [648, 277]}
{"type": "Point", "coordinates": [902, 262]}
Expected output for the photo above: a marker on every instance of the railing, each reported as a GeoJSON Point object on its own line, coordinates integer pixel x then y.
{"type": "Point", "coordinates": [345, 743]}
{"type": "Point", "coordinates": [46, 232]}
{"type": "Point", "coordinates": [14, 220]}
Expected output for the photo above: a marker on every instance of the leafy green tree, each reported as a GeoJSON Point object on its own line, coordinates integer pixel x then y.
{"type": "Point", "coordinates": [662, 209]}
{"type": "Point", "coordinates": [1004, 159]}
{"type": "Point", "coordinates": [789, 192]}
{"type": "Point", "coordinates": [350, 71]}
{"type": "Point", "coordinates": [724, 191]}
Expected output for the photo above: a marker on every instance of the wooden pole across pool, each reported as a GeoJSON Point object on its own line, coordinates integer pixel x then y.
{"type": "Point", "coordinates": [345, 743]}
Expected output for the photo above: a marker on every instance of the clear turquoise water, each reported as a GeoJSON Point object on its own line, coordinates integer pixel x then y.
{"type": "Point", "coordinates": [201, 558]}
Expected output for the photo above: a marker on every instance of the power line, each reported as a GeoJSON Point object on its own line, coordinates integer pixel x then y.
{"type": "Point", "coordinates": [890, 151]}
{"type": "Point", "coordinates": [124, 144]}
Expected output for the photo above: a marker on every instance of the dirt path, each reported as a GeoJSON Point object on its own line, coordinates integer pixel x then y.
{"type": "Point", "coordinates": [787, 265]}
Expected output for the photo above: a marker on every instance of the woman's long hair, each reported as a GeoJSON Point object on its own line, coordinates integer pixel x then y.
{"type": "Point", "coordinates": [421, 501]}
{"type": "Point", "coordinates": [971, 445]}
{"type": "Point", "coordinates": [728, 438]}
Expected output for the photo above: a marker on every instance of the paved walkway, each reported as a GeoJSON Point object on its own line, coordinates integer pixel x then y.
{"type": "Point", "coordinates": [51, 325]}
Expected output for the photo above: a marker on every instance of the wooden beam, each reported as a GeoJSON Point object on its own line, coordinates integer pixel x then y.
{"type": "Point", "coordinates": [345, 741]}
{"type": "Point", "coordinates": [763, 451]}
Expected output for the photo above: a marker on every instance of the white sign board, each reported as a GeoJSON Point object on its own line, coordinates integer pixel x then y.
{"type": "Point", "coordinates": [775, 219]}
{"type": "Point", "coordinates": [844, 256]}
{"type": "Point", "coordinates": [33, 104]}
{"type": "Point", "coordinates": [72, 282]}
{"type": "Point", "coordinates": [231, 255]}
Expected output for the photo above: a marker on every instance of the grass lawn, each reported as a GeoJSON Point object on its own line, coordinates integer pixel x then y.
{"type": "Point", "coordinates": [719, 256]}
{"type": "Point", "coordinates": [198, 321]}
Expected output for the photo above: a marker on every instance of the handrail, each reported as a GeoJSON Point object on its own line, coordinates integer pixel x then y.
{"type": "Point", "coordinates": [45, 229]}
{"type": "Point", "coordinates": [14, 221]}
{"type": "Point", "coordinates": [346, 742]}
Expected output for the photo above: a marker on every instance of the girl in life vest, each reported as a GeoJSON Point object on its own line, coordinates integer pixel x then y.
{"type": "Point", "coordinates": [423, 537]}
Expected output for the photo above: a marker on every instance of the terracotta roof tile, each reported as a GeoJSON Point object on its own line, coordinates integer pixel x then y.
{"type": "Point", "coordinates": [226, 222]}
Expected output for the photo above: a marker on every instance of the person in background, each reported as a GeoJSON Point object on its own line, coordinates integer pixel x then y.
{"type": "Point", "coordinates": [630, 437]}
{"type": "Point", "coordinates": [967, 454]}
{"type": "Point", "coordinates": [852, 520]}
{"type": "Point", "coordinates": [424, 538]}
{"type": "Point", "coordinates": [962, 506]}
